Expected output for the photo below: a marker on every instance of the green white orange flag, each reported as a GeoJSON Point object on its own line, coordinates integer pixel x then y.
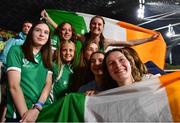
{"type": "Point", "coordinates": [153, 100]}
{"type": "Point", "coordinates": [152, 51]}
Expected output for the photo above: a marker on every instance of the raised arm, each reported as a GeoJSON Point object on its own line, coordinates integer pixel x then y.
{"type": "Point", "coordinates": [32, 114]}
{"type": "Point", "coordinates": [133, 42]}
{"type": "Point", "coordinates": [45, 15]}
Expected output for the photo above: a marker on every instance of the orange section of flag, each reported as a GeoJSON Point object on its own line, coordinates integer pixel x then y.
{"type": "Point", "coordinates": [172, 84]}
{"type": "Point", "coordinates": [152, 51]}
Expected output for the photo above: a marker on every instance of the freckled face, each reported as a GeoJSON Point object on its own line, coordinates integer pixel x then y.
{"type": "Point", "coordinates": [118, 66]}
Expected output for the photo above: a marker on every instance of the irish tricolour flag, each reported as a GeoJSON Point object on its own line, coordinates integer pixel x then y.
{"type": "Point", "coordinates": [153, 100]}
{"type": "Point", "coordinates": [118, 30]}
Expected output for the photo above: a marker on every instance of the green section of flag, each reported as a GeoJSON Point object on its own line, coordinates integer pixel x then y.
{"type": "Point", "coordinates": [67, 109]}
{"type": "Point", "coordinates": [77, 21]}
{"type": "Point", "coordinates": [78, 51]}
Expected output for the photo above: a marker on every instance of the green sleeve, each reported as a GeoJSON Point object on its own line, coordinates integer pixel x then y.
{"type": "Point", "coordinates": [15, 57]}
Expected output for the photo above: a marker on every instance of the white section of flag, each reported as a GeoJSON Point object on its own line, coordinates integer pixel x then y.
{"type": "Point", "coordinates": [140, 102]}
{"type": "Point", "coordinates": [111, 29]}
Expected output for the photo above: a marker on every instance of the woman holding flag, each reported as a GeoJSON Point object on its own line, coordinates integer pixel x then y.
{"type": "Point", "coordinates": [120, 68]}
{"type": "Point", "coordinates": [95, 34]}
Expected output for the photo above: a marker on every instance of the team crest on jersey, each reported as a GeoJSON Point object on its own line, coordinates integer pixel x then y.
{"type": "Point", "coordinates": [25, 62]}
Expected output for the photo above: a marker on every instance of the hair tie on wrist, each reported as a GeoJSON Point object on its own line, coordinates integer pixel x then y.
{"type": "Point", "coordinates": [40, 103]}
{"type": "Point", "coordinates": [37, 107]}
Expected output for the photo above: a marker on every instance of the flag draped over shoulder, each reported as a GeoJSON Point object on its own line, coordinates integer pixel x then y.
{"type": "Point", "coordinates": [154, 100]}
{"type": "Point", "coordinates": [153, 51]}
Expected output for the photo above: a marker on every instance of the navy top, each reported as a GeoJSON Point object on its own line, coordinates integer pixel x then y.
{"type": "Point", "coordinates": [90, 86]}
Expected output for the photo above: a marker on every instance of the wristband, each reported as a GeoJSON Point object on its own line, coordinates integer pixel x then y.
{"type": "Point", "coordinates": [38, 108]}
{"type": "Point", "coordinates": [39, 104]}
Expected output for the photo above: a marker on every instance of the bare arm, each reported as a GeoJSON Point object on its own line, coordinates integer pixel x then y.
{"type": "Point", "coordinates": [45, 15]}
{"type": "Point", "coordinates": [133, 42]}
{"type": "Point", "coordinates": [47, 88]}
{"type": "Point", "coordinates": [32, 114]}
{"type": "Point", "coordinates": [16, 92]}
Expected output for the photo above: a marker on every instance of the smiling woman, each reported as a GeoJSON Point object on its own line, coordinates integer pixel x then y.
{"type": "Point", "coordinates": [26, 90]}
{"type": "Point", "coordinates": [40, 37]}
{"type": "Point", "coordinates": [121, 69]}
{"type": "Point", "coordinates": [95, 65]}
{"type": "Point", "coordinates": [64, 63]}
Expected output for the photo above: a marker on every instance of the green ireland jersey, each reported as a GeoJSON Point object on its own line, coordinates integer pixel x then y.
{"type": "Point", "coordinates": [62, 80]}
{"type": "Point", "coordinates": [32, 81]}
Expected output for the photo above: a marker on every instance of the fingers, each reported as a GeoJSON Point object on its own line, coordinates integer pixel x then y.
{"type": "Point", "coordinates": [155, 36]}
{"type": "Point", "coordinates": [90, 93]}
{"type": "Point", "coordinates": [44, 13]}
{"type": "Point", "coordinates": [23, 117]}
{"type": "Point", "coordinates": [30, 116]}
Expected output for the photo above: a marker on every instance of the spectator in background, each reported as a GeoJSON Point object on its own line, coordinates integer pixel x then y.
{"type": "Point", "coordinates": [18, 40]}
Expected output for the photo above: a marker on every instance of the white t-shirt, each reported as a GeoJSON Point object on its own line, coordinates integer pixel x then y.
{"type": "Point", "coordinates": [150, 76]}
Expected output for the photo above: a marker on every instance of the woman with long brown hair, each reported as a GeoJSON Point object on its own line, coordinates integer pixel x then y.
{"type": "Point", "coordinates": [123, 67]}
{"type": "Point", "coordinates": [29, 75]}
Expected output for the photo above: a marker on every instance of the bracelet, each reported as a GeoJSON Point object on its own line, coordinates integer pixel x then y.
{"type": "Point", "coordinates": [37, 107]}
{"type": "Point", "coordinates": [39, 104]}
